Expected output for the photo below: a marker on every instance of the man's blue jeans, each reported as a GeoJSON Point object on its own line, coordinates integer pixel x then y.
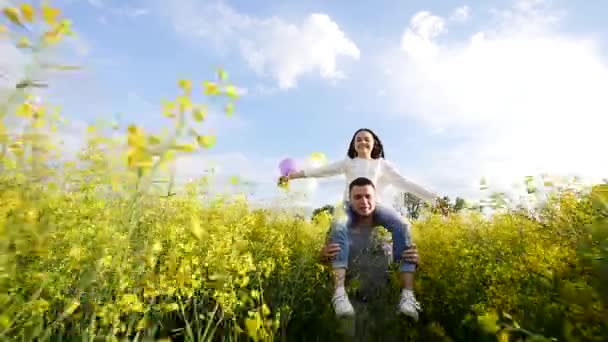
{"type": "Point", "coordinates": [384, 216]}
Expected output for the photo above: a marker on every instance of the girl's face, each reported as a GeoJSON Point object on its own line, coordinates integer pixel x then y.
{"type": "Point", "coordinates": [364, 144]}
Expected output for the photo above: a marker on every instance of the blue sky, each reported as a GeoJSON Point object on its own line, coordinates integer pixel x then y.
{"type": "Point", "coordinates": [455, 89]}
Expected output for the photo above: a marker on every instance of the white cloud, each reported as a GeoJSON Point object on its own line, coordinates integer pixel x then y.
{"type": "Point", "coordinates": [271, 46]}
{"type": "Point", "coordinates": [133, 12]}
{"type": "Point", "coordinates": [461, 14]}
{"type": "Point", "coordinates": [96, 3]}
{"type": "Point", "coordinates": [417, 41]}
{"type": "Point", "coordinates": [127, 11]}
{"type": "Point", "coordinates": [528, 98]}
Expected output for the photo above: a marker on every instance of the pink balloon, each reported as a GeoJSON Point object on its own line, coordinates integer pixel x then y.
{"type": "Point", "coordinates": [287, 166]}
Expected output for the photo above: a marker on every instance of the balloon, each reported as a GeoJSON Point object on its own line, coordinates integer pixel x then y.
{"type": "Point", "coordinates": [287, 166]}
{"type": "Point", "coordinates": [318, 157]}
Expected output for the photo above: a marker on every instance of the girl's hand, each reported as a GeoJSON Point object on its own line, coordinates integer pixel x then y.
{"type": "Point", "coordinates": [283, 181]}
{"type": "Point", "coordinates": [296, 175]}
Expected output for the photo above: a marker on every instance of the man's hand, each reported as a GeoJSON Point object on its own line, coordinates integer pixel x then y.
{"type": "Point", "coordinates": [329, 251]}
{"type": "Point", "coordinates": [411, 255]}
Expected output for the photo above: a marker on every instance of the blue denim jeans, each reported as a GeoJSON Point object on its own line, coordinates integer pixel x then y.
{"type": "Point", "coordinates": [384, 216]}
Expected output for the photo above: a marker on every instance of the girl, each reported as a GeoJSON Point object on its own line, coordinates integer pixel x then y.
{"type": "Point", "coordinates": [366, 159]}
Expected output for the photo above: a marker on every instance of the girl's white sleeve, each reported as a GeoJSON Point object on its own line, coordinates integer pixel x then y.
{"type": "Point", "coordinates": [395, 178]}
{"type": "Point", "coordinates": [333, 169]}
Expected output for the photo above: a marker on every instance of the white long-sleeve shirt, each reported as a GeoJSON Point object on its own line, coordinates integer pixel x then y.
{"type": "Point", "coordinates": [380, 171]}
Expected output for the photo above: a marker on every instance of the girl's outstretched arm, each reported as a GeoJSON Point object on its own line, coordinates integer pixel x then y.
{"type": "Point", "coordinates": [333, 169]}
{"type": "Point", "coordinates": [394, 177]}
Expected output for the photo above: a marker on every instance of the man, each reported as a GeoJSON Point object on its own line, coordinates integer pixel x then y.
{"type": "Point", "coordinates": [367, 263]}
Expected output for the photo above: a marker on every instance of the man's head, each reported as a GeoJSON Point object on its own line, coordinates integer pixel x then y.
{"type": "Point", "coordinates": [362, 196]}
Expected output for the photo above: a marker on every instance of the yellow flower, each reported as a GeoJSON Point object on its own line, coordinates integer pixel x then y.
{"type": "Point", "coordinates": [50, 14]}
{"type": "Point", "coordinates": [106, 261]}
{"type": "Point", "coordinates": [65, 27]}
{"type": "Point", "coordinates": [143, 324]}
{"type": "Point", "coordinates": [265, 310]}
{"type": "Point", "coordinates": [56, 33]}
{"type": "Point", "coordinates": [136, 137]}
{"type": "Point", "coordinates": [199, 113]}
{"type": "Point", "coordinates": [170, 307]}
{"type": "Point", "coordinates": [169, 109]}
{"type": "Point", "coordinates": [252, 325]}
{"type": "Point", "coordinates": [154, 140]}
{"type": "Point", "coordinates": [197, 230]}
{"type": "Point", "coordinates": [186, 85]}
{"type": "Point", "coordinates": [72, 307]}
{"type": "Point", "coordinates": [24, 43]}
{"type": "Point", "coordinates": [28, 12]}
{"type": "Point", "coordinates": [12, 14]}
{"type": "Point", "coordinates": [24, 110]}
{"type": "Point", "coordinates": [138, 158]}
{"type": "Point", "coordinates": [51, 38]}
{"type": "Point", "coordinates": [206, 141]}
{"type": "Point", "coordinates": [210, 88]}
{"type": "Point", "coordinates": [184, 103]}
{"type": "Point", "coordinates": [40, 306]}
{"type": "Point", "coordinates": [232, 92]}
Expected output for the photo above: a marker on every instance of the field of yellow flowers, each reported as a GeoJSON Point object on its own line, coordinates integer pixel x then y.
{"type": "Point", "coordinates": [89, 251]}
{"type": "Point", "coordinates": [81, 264]}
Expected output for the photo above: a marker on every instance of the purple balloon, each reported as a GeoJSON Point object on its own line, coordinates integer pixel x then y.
{"type": "Point", "coordinates": [287, 166]}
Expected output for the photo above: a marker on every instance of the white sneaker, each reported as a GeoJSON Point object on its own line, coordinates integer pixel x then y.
{"type": "Point", "coordinates": [408, 305]}
{"type": "Point", "coordinates": [342, 306]}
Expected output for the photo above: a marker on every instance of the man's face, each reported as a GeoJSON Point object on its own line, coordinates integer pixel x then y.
{"type": "Point", "coordinates": [363, 200]}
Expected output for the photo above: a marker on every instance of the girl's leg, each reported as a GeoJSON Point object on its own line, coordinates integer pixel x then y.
{"type": "Point", "coordinates": [400, 231]}
{"type": "Point", "coordinates": [339, 235]}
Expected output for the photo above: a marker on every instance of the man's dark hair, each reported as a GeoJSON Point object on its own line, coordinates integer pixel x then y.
{"type": "Point", "coordinates": [361, 181]}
